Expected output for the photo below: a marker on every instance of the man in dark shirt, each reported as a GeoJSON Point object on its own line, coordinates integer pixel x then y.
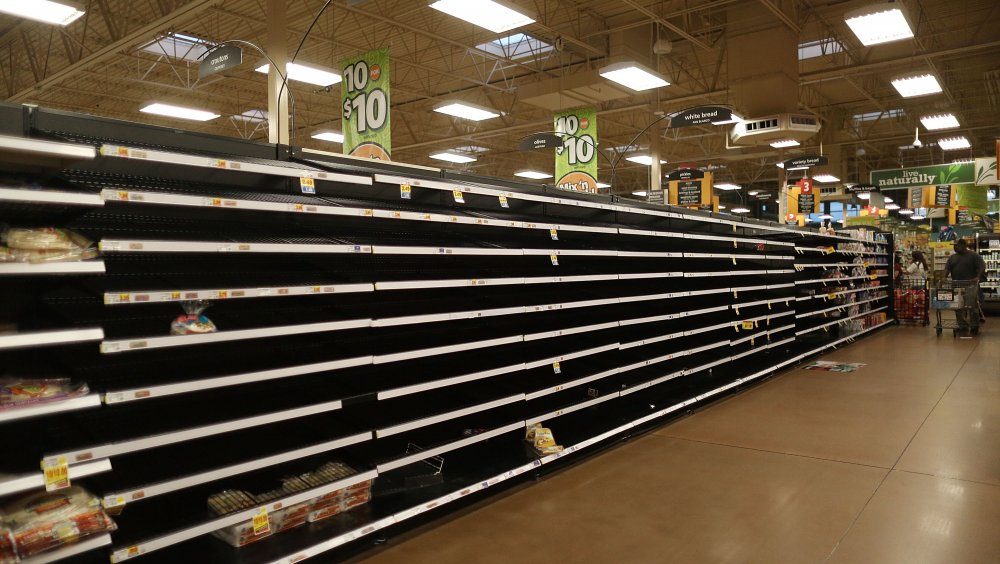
{"type": "Point", "coordinates": [965, 268]}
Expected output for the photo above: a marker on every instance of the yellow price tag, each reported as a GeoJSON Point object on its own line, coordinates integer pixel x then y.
{"type": "Point", "coordinates": [123, 151]}
{"type": "Point", "coordinates": [734, 261]}
{"type": "Point", "coordinates": [873, 277]}
{"type": "Point", "coordinates": [737, 308]}
{"type": "Point", "coordinates": [459, 197]}
{"type": "Point", "coordinates": [736, 293]}
{"type": "Point", "coordinates": [735, 246]}
{"type": "Point", "coordinates": [554, 259]}
{"type": "Point", "coordinates": [308, 185]}
{"type": "Point", "coordinates": [752, 339]}
{"type": "Point", "coordinates": [556, 368]}
{"type": "Point", "coordinates": [503, 202]}
{"type": "Point", "coordinates": [867, 264]}
{"type": "Point", "coordinates": [831, 296]}
{"type": "Point", "coordinates": [56, 471]}
{"type": "Point", "coordinates": [554, 234]}
{"type": "Point", "coordinates": [829, 250]}
{"type": "Point", "coordinates": [261, 522]}
{"type": "Point", "coordinates": [748, 325]}
{"type": "Point", "coordinates": [405, 191]}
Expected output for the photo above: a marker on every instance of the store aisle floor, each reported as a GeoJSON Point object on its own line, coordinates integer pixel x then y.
{"type": "Point", "coordinates": [897, 462]}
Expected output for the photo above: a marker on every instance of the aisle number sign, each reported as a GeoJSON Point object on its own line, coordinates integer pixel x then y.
{"type": "Point", "coordinates": [803, 198]}
{"type": "Point", "coordinates": [364, 96]}
{"type": "Point", "coordinates": [576, 158]}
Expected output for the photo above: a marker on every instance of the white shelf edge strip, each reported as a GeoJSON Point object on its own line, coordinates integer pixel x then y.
{"type": "Point", "coordinates": [48, 338]}
{"type": "Point", "coordinates": [435, 451]}
{"type": "Point", "coordinates": [158, 296]}
{"type": "Point", "coordinates": [37, 480]}
{"type": "Point", "coordinates": [226, 336]}
{"type": "Point", "coordinates": [445, 349]}
{"type": "Point", "coordinates": [426, 421]}
{"type": "Point", "coordinates": [90, 400]}
{"type": "Point", "coordinates": [166, 157]}
{"type": "Point", "coordinates": [153, 441]}
{"type": "Point", "coordinates": [160, 488]}
{"type": "Point", "coordinates": [164, 541]}
{"type": "Point", "coordinates": [134, 394]}
{"type": "Point", "coordinates": [42, 196]}
{"type": "Point", "coordinates": [571, 356]}
{"type": "Point", "coordinates": [496, 192]}
{"type": "Point", "coordinates": [74, 549]}
{"type": "Point", "coordinates": [445, 382]}
{"type": "Point", "coordinates": [47, 148]}
{"type": "Point", "coordinates": [571, 409]}
{"type": "Point", "coordinates": [81, 267]}
{"type": "Point", "coordinates": [159, 246]}
{"type": "Point", "coordinates": [572, 383]}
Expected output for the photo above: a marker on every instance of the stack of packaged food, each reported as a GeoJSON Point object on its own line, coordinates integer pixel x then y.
{"type": "Point", "coordinates": [18, 393]}
{"type": "Point", "coordinates": [285, 518]}
{"type": "Point", "coordinates": [542, 439]}
{"type": "Point", "coordinates": [45, 244]}
{"type": "Point", "coordinates": [45, 521]}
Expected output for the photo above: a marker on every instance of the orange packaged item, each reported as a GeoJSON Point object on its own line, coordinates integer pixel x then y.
{"type": "Point", "coordinates": [46, 520]}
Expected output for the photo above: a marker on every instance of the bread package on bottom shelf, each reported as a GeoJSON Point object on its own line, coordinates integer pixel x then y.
{"type": "Point", "coordinates": [22, 392]}
{"type": "Point", "coordinates": [542, 439]}
{"type": "Point", "coordinates": [7, 553]}
{"type": "Point", "coordinates": [288, 517]}
{"type": "Point", "coordinates": [47, 520]}
{"type": "Point", "coordinates": [45, 244]}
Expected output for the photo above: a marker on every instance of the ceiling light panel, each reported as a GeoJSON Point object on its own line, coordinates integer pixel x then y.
{"type": "Point", "coordinates": [180, 112]}
{"type": "Point", "coordinates": [916, 85]}
{"type": "Point", "coordinates": [940, 121]}
{"type": "Point", "coordinates": [532, 174]}
{"type": "Point", "coordinates": [57, 13]}
{"type": "Point", "coordinates": [784, 143]}
{"type": "Point", "coordinates": [497, 17]}
{"type": "Point", "coordinates": [633, 75]}
{"type": "Point", "coordinates": [307, 74]}
{"type": "Point", "coordinates": [953, 143]}
{"type": "Point", "coordinates": [879, 23]}
{"type": "Point", "coordinates": [331, 136]}
{"type": "Point", "coordinates": [466, 111]}
{"type": "Point", "coordinates": [453, 158]}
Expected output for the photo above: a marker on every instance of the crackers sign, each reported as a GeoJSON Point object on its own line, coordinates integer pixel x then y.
{"type": "Point", "coordinates": [220, 59]}
{"type": "Point", "coordinates": [576, 158]}
{"type": "Point", "coordinates": [364, 96]}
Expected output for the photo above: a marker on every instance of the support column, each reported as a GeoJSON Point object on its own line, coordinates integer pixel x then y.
{"type": "Point", "coordinates": [277, 49]}
{"type": "Point", "coordinates": [655, 171]}
{"type": "Point", "coordinates": [782, 189]}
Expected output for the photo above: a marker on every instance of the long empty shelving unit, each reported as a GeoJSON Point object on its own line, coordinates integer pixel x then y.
{"type": "Point", "coordinates": [412, 334]}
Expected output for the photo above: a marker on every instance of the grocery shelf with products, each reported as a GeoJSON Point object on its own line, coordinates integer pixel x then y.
{"type": "Point", "coordinates": [988, 246]}
{"type": "Point", "coordinates": [235, 369]}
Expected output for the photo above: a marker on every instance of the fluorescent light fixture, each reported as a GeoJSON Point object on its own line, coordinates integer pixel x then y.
{"type": "Point", "coordinates": [471, 149]}
{"type": "Point", "coordinates": [825, 178]}
{"type": "Point", "coordinates": [532, 174]}
{"type": "Point", "coordinates": [740, 210]}
{"type": "Point", "coordinates": [753, 192]}
{"type": "Point", "coordinates": [177, 112]}
{"type": "Point", "coordinates": [58, 13]}
{"type": "Point", "coordinates": [640, 193]}
{"type": "Point", "coordinates": [785, 143]}
{"type": "Point", "coordinates": [916, 85]}
{"type": "Point", "coordinates": [889, 200]}
{"type": "Point", "coordinates": [959, 161]}
{"type": "Point", "coordinates": [905, 212]}
{"type": "Point", "coordinates": [645, 160]}
{"type": "Point", "coordinates": [864, 195]}
{"type": "Point", "coordinates": [633, 75]}
{"type": "Point", "coordinates": [453, 158]}
{"type": "Point", "coordinates": [892, 206]}
{"type": "Point", "coordinates": [307, 74]}
{"type": "Point", "coordinates": [826, 216]}
{"type": "Point", "coordinates": [728, 186]}
{"type": "Point", "coordinates": [603, 185]}
{"type": "Point", "coordinates": [940, 121]}
{"type": "Point", "coordinates": [488, 14]}
{"type": "Point", "coordinates": [879, 23]}
{"type": "Point", "coordinates": [735, 119]}
{"type": "Point", "coordinates": [252, 116]}
{"type": "Point", "coordinates": [331, 136]}
{"type": "Point", "coordinates": [466, 111]}
{"type": "Point", "coordinates": [917, 217]}
{"type": "Point", "coordinates": [953, 143]}
{"type": "Point", "coordinates": [722, 207]}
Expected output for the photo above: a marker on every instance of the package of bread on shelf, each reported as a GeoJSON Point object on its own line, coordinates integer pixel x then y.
{"type": "Point", "coordinates": [232, 501]}
{"type": "Point", "coordinates": [17, 393]}
{"type": "Point", "coordinates": [44, 521]}
{"type": "Point", "coordinates": [7, 553]}
{"type": "Point", "coordinates": [193, 322]}
{"type": "Point", "coordinates": [542, 439]}
{"type": "Point", "coordinates": [44, 244]}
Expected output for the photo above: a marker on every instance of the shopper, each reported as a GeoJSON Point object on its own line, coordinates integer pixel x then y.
{"type": "Point", "coordinates": [947, 233]}
{"type": "Point", "coordinates": [918, 266]}
{"type": "Point", "coordinates": [965, 268]}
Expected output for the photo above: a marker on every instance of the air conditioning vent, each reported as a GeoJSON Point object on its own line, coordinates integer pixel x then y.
{"type": "Point", "coordinates": [767, 129]}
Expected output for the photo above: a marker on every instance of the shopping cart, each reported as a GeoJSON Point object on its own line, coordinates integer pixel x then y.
{"type": "Point", "coordinates": [960, 297]}
{"type": "Point", "coordinates": [911, 301]}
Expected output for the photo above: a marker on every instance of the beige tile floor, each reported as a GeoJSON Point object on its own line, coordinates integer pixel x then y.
{"type": "Point", "coordinates": [896, 463]}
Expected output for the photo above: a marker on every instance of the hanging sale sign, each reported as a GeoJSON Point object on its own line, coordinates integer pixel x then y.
{"type": "Point", "coordinates": [576, 158]}
{"type": "Point", "coordinates": [364, 96]}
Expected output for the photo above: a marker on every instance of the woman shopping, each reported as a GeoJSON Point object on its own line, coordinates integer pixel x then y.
{"type": "Point", "coordinates": [918, 266]}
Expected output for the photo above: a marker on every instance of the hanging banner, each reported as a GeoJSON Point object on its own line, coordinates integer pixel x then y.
{"type": "Point", "coordinates": [220, 59]}
{"type": "Point", "coordinates": [804, 162]}
{"type": "Point", "coordinates": [861, 188]}
{"type": "Point", "coordinates": [691, 193]}
{"type": "Point", "coordinates": [803, 198]}
{"type": "Point", "coordinates": [364, 97]}
{"type": "Point", "coordinates": [576, 158]}
{"type": "Point", "coordinates": [702, 115]}
{"type": "Point", "coordinates": [974, 198]}
{"type": "Point", "coordinates": [956, 173]}
{"type": "Point", "coordinates": [986, 171]}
